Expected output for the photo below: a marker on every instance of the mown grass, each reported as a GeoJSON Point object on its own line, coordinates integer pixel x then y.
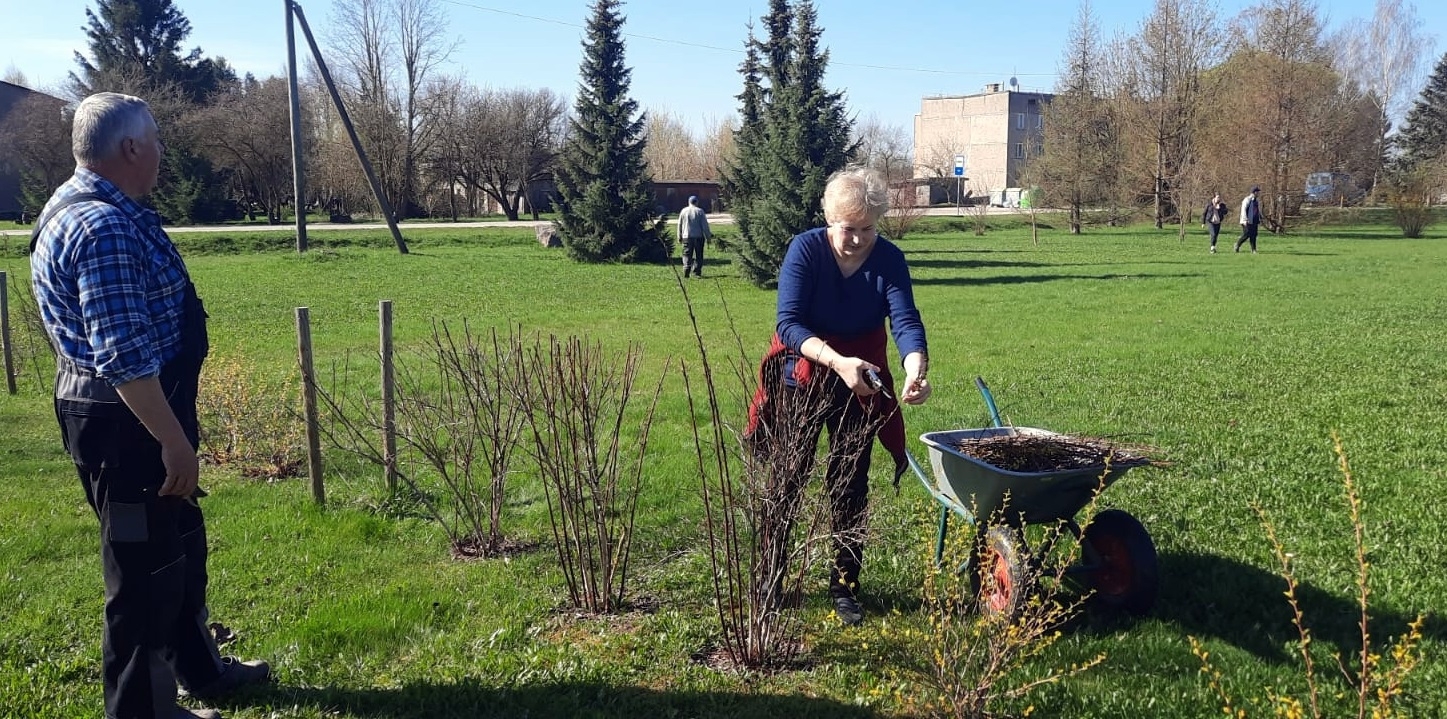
{"type": "Point", "coordinates": [1237, 367]}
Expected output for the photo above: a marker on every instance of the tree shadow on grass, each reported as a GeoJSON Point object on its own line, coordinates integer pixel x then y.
{"type": "Point", "coordinates": [470, 699]}
{"type": "Point", "coordinates": [969, 264]}
{"type": "Point", "coordinates": [1212, 596]}
{"type": "Point", "coordinates": [1034, 279]}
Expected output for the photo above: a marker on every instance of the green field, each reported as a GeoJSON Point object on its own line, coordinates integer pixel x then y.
{"type": "Point", "coordinates": [1238, 368]}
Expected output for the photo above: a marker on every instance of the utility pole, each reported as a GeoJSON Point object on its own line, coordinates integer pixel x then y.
{"type": "Point", "coordinates": [351, 131]}
{"type": "Point", "coordinates": [297, 146]}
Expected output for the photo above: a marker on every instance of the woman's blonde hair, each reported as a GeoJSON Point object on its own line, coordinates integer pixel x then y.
{"type": "Point", "coordinates": [853, 192]}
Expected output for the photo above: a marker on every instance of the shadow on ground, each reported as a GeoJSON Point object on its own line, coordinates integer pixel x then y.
{"type": "Point", "coordinates": [1035, 279]}
{"type": "Point", "coordinates": [1213, 596]}
{"type": "Point", "coordinates": [471, 699]}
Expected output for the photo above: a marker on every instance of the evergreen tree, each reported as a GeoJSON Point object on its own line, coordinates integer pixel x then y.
{"type": "Point", "coordinates": [606, 209]}
{"type": "Point", "coordinates": [191, 190]}
{"type": "Point", "coordinates": [802, 137]}
{"type": "Point", "coordinates": [136, 44]}
{"type": "Point", "coordinates": [1424, 137]}
{"type": "Point", "coordinates": [741, 176]}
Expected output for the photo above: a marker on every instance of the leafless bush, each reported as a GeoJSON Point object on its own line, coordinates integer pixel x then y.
{"type": "Point", "coordinates": [456, 416]}
{"type": "Point", "coordinates": [760, 524]}
{"type": "Point", "coordinates": [903, 214]}
{"type": "Point", "coordinates": [1409, 193]}
{"type": "Point", "coordinates": [31, 348]}
{"type": "Point", "coordinates": [247, 421]}
{"type": "Point", "coordinates": [575, 401]}
{"type": "Point", "coordinates": [985, 627]}
{"type": "Point", "coordinates": [464, 423]}
{"type": "Point", "coordinates": [1373, 681]}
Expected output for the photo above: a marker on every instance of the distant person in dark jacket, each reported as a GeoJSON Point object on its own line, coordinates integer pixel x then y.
{"type": "Point", "coordinates": [692, 233]}
{"type": "Point", "coordinates": [1250, 219]}
{"type": "Point", "coordinates": [1216, 211]}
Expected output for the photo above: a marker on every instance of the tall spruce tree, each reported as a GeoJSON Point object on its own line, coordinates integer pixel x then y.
{"type": "Point", "coordinates": [741, 175]}
{"type": "Point", "coordinates": [800, 136]}
{"type": "Point", "coordinates": [1424, 137]}
{"type": "Point", "coordinates": [136, 45]}
{"type": "Point", "coordinates": [606, 209]}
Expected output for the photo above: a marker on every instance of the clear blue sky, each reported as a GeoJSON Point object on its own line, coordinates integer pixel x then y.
{"type": "Point", "coordinates": [885, 54]}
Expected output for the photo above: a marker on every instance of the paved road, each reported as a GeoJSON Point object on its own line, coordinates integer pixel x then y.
{"type": "Point", "coordinates": [718, 219]}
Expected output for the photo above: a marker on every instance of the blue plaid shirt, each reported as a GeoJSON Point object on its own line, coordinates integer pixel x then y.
{"type": "Point", "coordinates": [109, 283]}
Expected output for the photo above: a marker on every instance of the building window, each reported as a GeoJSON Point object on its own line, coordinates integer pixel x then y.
{"type": "Point", "coordinates": [1020, 121]}
{"type": "Point", "coordinates": [1039, 122]}
{"type": "Point", "coordinates": [1019, 149]}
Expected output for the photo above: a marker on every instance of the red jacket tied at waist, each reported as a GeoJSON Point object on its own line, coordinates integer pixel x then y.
{"type": "Point", "coordinates": [872, 348]}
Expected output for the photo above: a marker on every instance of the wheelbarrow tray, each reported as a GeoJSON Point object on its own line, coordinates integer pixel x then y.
{"type": "Point", "coordinates": [981, 490]}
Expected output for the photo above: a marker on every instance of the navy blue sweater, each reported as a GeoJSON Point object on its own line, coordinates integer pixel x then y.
{"type": "Point", "coordinates": [816, 299]}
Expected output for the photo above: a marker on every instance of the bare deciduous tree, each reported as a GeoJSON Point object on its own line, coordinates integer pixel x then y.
{"type": "Point", "coordinates": [1162, 94]}
{"type": "Point", "coordinates": [387, 51]}
{"type": "Point", "coordinates": [1386, 57]}
{"type": "Point", "coordinates": [1281, 71]}
{"type": "Point", "coordinates": [14, 76]}
{"type": "Point", "coordinates": [449, 157]}
{"type": "Point", "coordinates": [718, 146]}
{"type": "Point", "coordinates": [512, 141]}
{"type": "Point", "coordinates": [35, 141]}
{"type": "Point", "coordinates": [672, 151]}
{"type": "Point", "coordinates": [246, 134]}
{"type": "Point", "coordinates": [886, 148]}
{"type": "Point", "coordinates": [1079, 167]}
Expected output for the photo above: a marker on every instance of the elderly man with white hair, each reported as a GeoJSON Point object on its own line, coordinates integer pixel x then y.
{"type": "Point", "coordinates": [130, 336]}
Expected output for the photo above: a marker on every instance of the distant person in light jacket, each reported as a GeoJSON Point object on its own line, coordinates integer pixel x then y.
{"type": "Point", "coordinates": [692, 232]}
{"type": "Point", "coordinates": [1216, 211]}
{"type": "Point", "coordinates": [1250, 219]}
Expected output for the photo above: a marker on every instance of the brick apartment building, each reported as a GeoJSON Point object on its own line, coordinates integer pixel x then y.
{"type": "Point", "coordinates": [994, 130]}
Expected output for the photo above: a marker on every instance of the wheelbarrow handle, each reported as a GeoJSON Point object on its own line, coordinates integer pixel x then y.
{"type": "Point", "coordinates": [989, 401]}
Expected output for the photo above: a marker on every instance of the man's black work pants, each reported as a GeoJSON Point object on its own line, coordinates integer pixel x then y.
{"type": "Point", "coordinates": [153, 559]}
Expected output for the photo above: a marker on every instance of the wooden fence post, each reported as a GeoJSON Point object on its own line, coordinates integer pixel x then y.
{"type": "Point", "coordinates": [389, 397]}
{"type": "Point", "coordinates": [309, 402]}
{"type": "Point", "coordinates": [5, 332]}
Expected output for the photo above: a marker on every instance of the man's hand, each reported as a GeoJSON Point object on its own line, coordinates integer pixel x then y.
{"type": "Point", "coordinates": [182, 469]}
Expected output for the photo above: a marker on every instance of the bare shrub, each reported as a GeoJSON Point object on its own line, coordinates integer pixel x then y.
{"type": "Point", "coordinates": [575, 400]}
{"type": "Point", "coordinates": [247, 420]}
{"type": "Point", "coordinates": [760, 523]}
{"type": "Point", "coordinates": [458, 427]}
{"type": "Point", "coordinates": [31, 349]}
{"type": "Point", "coordinates": [456, 411]}
{"type": "Point", "coordinates": [903, 214]}
{"type": "Point", "coordinates": [981, 631]}
{"type": "Point", "coordinates": [1409, 194]}
{"type": "Point", "coordinates": [1374, 678]}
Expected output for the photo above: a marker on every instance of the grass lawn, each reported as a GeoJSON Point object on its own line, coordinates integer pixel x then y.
{"type": "Point", "coordinates": [1239, 368]}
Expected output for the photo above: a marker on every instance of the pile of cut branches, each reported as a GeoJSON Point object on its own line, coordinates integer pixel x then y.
{"type": "Point", "coordinates": [1051, 453]}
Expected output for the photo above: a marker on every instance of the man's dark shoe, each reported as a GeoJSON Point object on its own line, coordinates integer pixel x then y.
{"type": "Point", "coordinates": [181, 712]}
{"type": "Point", "coordinates": [235, 674]}
{"type": "Point", "coordinates": [848, 610]}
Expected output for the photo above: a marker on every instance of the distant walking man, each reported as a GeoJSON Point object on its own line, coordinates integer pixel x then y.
{"type": "Point", "coordinates": [1250, 219]}
{"type": "Point", "coordinates": [692, 232]}
{"type": "Point", "coordinates": [130, 336]}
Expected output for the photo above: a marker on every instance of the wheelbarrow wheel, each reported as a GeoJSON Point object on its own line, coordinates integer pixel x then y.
{"type": "Point", "coordinates": [999, 576]}
{"type": "Point", "coordinates": [1124, 573]}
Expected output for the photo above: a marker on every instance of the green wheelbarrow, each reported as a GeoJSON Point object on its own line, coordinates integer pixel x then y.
{"type": "Point", "coordinates": [1117, 560]}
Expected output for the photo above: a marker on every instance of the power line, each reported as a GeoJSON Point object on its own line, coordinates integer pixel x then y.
{"type": "Point", "coordinates": [736, 51]}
